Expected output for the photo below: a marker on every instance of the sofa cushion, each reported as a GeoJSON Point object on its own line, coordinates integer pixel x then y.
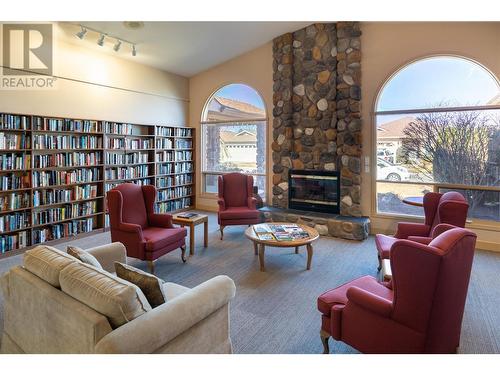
{"type": "Point", "coordinates": [47, 262]}
{"type": "Point", "coordinates": [338, 295]}
{"type": "Point", "coordinates": [150, 285]}
{"type": "Point", "coordinates": [235, 213]}
{"type": "Point", "coordinates": [119, 300]}
{"type": "Point", "coordinates": [83, 256]}
{"type": "Point", "coordinates": [158, 238]}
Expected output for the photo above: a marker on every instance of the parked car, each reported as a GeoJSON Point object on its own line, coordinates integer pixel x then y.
{"type": "Point", "coordinates": [391, 172]}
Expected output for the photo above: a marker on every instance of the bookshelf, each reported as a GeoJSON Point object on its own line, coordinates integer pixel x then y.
{"type": "Point", "coordinates": [55, 173]}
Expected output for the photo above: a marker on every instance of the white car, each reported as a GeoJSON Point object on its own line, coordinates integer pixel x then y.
{"type": "Point", "coordinates": [391, 172]}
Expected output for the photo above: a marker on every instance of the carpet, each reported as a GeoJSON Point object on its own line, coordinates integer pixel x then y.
{"type": "Point", "coordinates": [275, 311]}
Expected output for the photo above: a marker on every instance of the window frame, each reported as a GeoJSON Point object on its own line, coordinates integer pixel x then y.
{"type": "Point", "coordinates": [471, 223]}
{"type": "Point", "coordinates": [203, 121]}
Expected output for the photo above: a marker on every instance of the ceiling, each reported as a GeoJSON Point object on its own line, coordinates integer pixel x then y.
{"type": "Point", "coordinates": [184, 48]}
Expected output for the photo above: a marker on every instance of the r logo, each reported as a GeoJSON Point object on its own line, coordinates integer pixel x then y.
{"type": "Point", "coordinates": [27, 49]}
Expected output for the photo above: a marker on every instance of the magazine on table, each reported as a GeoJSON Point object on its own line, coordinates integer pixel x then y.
{"type": "Point", "coordinates": [187, 215]}
{"type": "Point", "coordinates": [280, 232]}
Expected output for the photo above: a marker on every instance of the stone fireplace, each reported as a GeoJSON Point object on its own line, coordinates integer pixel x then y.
{"type": "Point", "coordinates": [317, 103]}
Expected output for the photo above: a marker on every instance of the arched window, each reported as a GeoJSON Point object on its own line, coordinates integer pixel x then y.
{"type": "Point", "coordinates": [438, 129]}
{"type": "Point", "coordinates": [233, 129]}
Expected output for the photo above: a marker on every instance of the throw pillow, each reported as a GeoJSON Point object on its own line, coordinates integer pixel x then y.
{"type": "Point", "coordinates": [150, 285]}
{"type": "Point", "coordinates": [83, 256]}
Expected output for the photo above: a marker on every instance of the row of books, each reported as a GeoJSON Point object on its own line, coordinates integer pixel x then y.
{"type": "Point", "coordinates": [14, 181]}
{"type": "Point", "coordinates": [14, 221]}
{"type": "Point", "coordinates": [174, 132]}
{"type": "Point", "coordinates": [127, 158]}
{"type": "Point", "coordinates": [165, 156]}
{"type": "Point", "coordinates": [71, 228]}
{"type": "Point", "coordinates": [13, 122]}
{"type": "Point", "coordinates": [164, 143]}
{"type": "Point", "coordinates": [14, 201]}
{"type": "Point", "coordinates": [129, 144]}
{"type": "Point", "coordinates": [17, 141]}
{"type": "Point", "coordinates": [64, 142]}
{"type": "Point", "coordinates": [144, 181]}
{"type": "Point", "coordinates": [50, 178]}
{"type": "Point", "coordinates": [176, 192]}
{"type": "Point", "coordinates": [15, 161]}
{"type": "Point", "coordinates": [168, 181]}
{"type": "Point", "coordinates": [52, 196]}
{"type": "Point", "coordinates": [127, 172]}
{"type": "Point", "coordinates": [178, 204]}
{"type": "Point", "coordinates": [65, 159]}
{"type": "Point", "coordinates": [118, 128]}
{"type": "Point", "coordinates": [183, 143]}
{"type": "Point", "coordinates": [14, 241]}
{"type": "Point", "coordinates": [65, 212]}
{"type": "Point", "coordinates": [182, 167]}
{"type": "Point", "coordinates": [57, 124]}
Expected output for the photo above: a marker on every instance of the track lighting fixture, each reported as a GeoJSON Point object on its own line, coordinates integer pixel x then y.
{"type": "Point", "coordinates": [102, 36]}
{"type": "Point", "coordinates": [117, 46]}
{"type": "Point", "coordinates": [100, 42]}
{"type": "Point", "coordinates": [81, 34]}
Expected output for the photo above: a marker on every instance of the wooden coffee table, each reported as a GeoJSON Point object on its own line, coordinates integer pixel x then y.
{"type": "Point", "coordinates": [260, 245]}
{"type": "Point", "coordinates": [191, 223]}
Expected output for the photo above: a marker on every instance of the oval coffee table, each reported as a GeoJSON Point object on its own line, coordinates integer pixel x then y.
{"type": "Point", "coordinates": [260, 245]}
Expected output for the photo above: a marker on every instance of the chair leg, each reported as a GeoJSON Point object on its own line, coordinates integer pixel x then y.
{"type": "Point", "coordinates": [379, 263]}
{"type": "Point", "coordinates": [151, 266]}
{"type": "Point", "coordinates": [183, 253]}
{"type": "Point", "coordinates": [221, 228]}
{"type": "Point", "coordinates": [324, 339]}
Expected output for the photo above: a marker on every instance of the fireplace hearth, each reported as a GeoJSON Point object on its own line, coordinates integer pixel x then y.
{"type": "Point", "coordinates": [312, 190]}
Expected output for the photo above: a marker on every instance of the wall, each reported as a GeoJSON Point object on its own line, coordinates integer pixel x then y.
{"type": "Point", "coordinates": [98, 85]}
{"type": "Point", "coordinates": [389, 45]}
{"type": "Point", "coordinates": [254, 69]}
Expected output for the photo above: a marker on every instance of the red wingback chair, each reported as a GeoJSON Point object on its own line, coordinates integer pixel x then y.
{"type": "Point", "coordinates": [236, 203]}
{"type": "Point", "coordinates": [419, 311]}
{"type": "Point", "coordinates": [146, 235]}
{"type": "Point", "coordinates": [448, 208]}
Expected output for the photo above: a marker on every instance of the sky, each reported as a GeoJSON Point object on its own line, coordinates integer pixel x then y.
{"type": "Point", "coordinates": [426, 83]}
{"type": "Point", "coordinates": [242, 93]}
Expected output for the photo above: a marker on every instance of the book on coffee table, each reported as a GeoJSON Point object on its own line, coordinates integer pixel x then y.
{"type": "Point", "coordinates": [187, 215]}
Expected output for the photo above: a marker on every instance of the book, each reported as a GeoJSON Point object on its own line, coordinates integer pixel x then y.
{"type": "Point", "coordinates": [187, 215]}
{"type": "Point", "coordinates": [265, 236]}
{"type": "Point", "coordinates": [261, 229]}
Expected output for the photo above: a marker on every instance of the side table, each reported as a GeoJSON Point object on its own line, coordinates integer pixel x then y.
{"type": "Point", "coordinates": [191, 223]}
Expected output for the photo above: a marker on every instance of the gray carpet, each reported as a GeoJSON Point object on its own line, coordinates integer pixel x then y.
{"type": "Point", "coordinates": [275, 311]}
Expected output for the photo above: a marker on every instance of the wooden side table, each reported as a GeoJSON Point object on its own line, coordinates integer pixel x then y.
{"type": "Point", "coordinates": [191, 223]}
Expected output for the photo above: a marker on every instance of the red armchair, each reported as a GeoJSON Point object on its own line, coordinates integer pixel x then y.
{"type": "Point", "coordinates": [145, 234]}
{"type": "Point", "coordinates": [448, 208]}
{"type": "Point", "coordinates": [419, 311]}
{"type": "Point", "coordinates": [236, 203]}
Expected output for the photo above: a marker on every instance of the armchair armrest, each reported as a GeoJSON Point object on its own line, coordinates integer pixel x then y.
{"type": "Point", "coordinates": [108, 254]}
{"type": "Point", "coordinates": [132, 229]}
{"type": "Point", "coordinates": [252, 203]}
{"type": "Point", "coordinates": [411, 229]}
{"type": "Point", "coordinates": [441, 228]}
{"type": "Point", "coordinates": [151, 331]}
{"type": "Point", "coordinates": [222, 204]}
{"type": "Point", "coordinates": [160, 220]}
{"type": "Point", "coordinates": [369, 301]}
{"type": "Point", "coordinates": [419, 239]}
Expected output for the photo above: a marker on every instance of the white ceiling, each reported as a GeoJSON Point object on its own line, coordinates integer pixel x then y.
{"type": "Point", "coordinates": [184, 48]}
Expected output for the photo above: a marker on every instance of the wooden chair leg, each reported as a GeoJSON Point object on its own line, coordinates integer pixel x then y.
{"type": "Point", "coordinates": [183, 253]}
{"type": "Point", "coordinates": [221, 228]}
{"type": "Point", "coordinates": [324, 340]}
{"type": "Point", "coordinates": [151, 266]}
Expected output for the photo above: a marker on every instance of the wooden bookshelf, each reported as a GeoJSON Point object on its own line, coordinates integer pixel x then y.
{"type": "Point", "coordinates": [43, 160]}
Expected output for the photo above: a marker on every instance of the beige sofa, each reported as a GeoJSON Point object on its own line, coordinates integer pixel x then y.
{"type": "Point", "coordinates": [41, 318]}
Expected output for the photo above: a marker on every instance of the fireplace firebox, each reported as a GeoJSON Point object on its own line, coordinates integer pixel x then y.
{"type": "Point", "coordinates": [314, 190]}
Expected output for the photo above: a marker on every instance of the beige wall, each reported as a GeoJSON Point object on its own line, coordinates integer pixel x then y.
{"type": "Point", "coordinates": [98, 85]}
{"type": "Point", "coordinates": [388, 46]}
{"type": "Point", "coordinates": [254, 69]}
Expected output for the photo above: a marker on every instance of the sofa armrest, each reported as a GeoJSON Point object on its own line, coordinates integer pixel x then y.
{"type": "Point", "coordinates": [151, 331]}
{"type": "Point", "coordinates": [222, 204]}
{"type": "Point", "coordinates": [108, 254]}
{"type": "Point", "coordinates": [252, 203]}
{"type": "Point", "coordinates": [369, 301]}
{"type": "Point", "coordinates": [160, 220]}
{"type": "Point", "coordinates": [411, 229]}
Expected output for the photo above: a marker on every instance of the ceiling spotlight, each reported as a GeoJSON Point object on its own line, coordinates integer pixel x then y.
{"type": "Point", "coordinates": [134, 51]}
{"type": "Point", "coordinates": [101, 40]}
{"type": "Point", "coordinates": [82, 33]}
{"type": "Point", "coordinates": [117, 46]}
